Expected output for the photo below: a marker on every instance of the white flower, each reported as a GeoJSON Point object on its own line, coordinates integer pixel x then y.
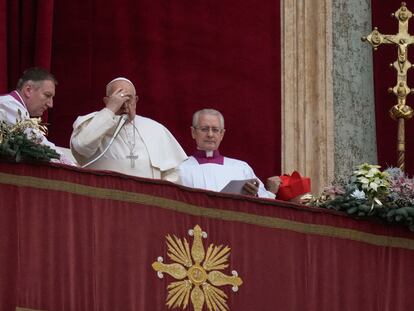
{"type": "Point", "coordinates": [363, 180]}
{"type": "Point", "coordinates": [371, 180]}
{"type": "Point", "coordinates": [358, 194]}
{"type": "Point", "coordinates": [374, 186]}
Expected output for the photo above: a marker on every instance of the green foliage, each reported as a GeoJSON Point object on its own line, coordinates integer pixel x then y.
{"type": "Point", "coordinates": [15, 145]}
{"type": "Point", "coordinates": [370, 193]}
{"type": "Point", "coordinates": [369, 179]}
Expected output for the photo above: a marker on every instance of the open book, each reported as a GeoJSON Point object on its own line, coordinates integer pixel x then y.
{"type": "Point", "coordinates": [236, 186]}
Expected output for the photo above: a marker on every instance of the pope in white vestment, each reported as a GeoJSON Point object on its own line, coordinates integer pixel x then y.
{"type": "Point", "coordinates": [207, 168]}
{"type": "Point", "coordinates": [143, 147]}
{"type": "Point", "coordinates": [155, 148]}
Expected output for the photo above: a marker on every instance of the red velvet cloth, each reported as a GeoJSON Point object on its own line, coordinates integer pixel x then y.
{"type": "Point", "coordinates": [386, 77]}
{"type": "Point", "coordinates": [181, 56]}
{"type": "Point", "coordinates": [3, 47]}
{"type": "Point", "coordinates": [25, 38]}
{"type": "Point", "coordinates": [78, 240]}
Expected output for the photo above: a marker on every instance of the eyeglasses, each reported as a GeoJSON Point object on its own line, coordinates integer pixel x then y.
{"type": "Point", "coordinates": [207, 129]}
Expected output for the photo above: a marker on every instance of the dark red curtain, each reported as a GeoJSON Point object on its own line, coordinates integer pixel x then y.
{"type": "Point", "coordinates": [182, 56]}
{"type": "Point", "coordinates": [25, 38]}
{"type": "Point", "coordinates": [386, 77]}
{"type": "Point", "coordinates": [77, 241]}
{"type": "Point", "coordinates": [3, 47]}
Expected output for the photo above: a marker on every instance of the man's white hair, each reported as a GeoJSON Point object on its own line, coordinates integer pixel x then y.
{"type": "Point", "coordinates": [214, 112]}
{"type": "Point", "coordinates": [108, 86]}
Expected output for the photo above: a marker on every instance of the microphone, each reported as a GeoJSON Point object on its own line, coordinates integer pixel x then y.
{"type": "Point", "coordinates": [121, 122]}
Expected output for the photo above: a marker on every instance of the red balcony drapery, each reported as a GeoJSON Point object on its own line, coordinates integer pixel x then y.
{"type": "Point", "coordinates": [74, 239]}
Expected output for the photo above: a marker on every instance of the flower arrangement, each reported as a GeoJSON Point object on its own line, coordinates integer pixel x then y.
{"type": "Point", "coordinates": [370, 192]}
{"type": "Point", "coordinates": [22, 141]}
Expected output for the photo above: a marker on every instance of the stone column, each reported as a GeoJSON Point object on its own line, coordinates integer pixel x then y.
{"type": "Point", "coordinates": [328, 114]}
{"type": "Point", "coordinates": [354, 105]}
{"type": "Point", "coordinates": [307, 94]}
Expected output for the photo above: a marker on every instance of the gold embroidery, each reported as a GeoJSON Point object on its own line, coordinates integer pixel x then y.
{"type": "Point", "coordinates": [198, 272]}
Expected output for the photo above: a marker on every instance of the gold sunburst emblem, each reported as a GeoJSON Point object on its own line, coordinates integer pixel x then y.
{"type": "Point", "coordinates": [198, 273]}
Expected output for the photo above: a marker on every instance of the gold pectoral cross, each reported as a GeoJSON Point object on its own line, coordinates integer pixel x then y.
{"type": "Point", "coordinates": [132, 157]}
{"type": "Point", "coordinates": [403, 40]}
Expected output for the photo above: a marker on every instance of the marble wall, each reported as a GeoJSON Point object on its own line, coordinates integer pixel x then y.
{"type": "Point", "coordinates": [328, 114]}
{"type": "Point", "coordinates": [354, 109]}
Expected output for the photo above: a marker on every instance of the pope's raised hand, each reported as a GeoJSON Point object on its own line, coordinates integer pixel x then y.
{"type": "Point", "coordinates": [116, 100]}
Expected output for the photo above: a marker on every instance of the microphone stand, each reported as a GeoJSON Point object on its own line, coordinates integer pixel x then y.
{"type": "Point", "coordinates": [121, 123]}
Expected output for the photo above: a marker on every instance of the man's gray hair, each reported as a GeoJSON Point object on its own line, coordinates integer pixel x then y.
{"type": "Point", "coordinates": [213, 112]}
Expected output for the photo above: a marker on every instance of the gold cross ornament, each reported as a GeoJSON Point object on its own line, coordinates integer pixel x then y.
{"type": "Point", "coordinates": [401, 111]}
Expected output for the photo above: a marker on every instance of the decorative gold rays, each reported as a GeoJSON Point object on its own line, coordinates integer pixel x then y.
{"type": "Point", "coordinates": [197, 272]}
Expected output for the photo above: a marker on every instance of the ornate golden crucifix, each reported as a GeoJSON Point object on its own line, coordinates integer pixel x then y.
{"type": "Point", "coordinates": [401, 111]}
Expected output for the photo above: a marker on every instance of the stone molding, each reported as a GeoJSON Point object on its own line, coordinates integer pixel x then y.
{"type": "Point", "coordinates": [307, 90]}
